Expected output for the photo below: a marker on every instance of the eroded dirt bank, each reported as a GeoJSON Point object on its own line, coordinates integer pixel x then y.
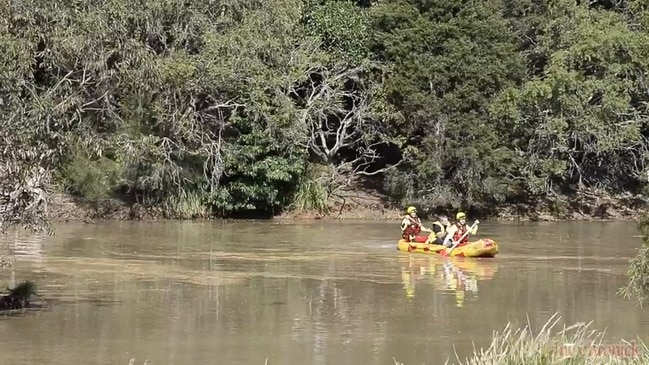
{"type": "Point", "coordinates": [361, 204]}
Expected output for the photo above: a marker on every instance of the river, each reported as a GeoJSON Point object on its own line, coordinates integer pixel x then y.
{"type": "Point", "coordinates": [313, 292]}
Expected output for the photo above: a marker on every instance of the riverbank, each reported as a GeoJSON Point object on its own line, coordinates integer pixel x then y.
{"type": "Point", "coordinates": [363, 204]}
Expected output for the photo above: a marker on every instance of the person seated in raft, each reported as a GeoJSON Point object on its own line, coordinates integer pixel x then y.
{"type": "Point", "coordinates": [411, 226]}
{"type": "Point", "coordinates": [440, 227]}
{"type": "Point", "coordinates": [458, 229]}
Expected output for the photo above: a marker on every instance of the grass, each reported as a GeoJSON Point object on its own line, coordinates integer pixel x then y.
{"type": "Point", "coordinates": [186, 205]}
{"type": "Point", "coordinates": [92, 178]}
{"type": "Point", "coordinates": [311, 194]}
{"type": "Point", "coordinates": [574, 345]}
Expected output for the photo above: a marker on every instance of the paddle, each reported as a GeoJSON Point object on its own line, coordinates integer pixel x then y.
{"type": "Point", "coordinates": [461, 238]}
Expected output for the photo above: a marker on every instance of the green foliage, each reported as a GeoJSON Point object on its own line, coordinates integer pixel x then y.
{"type": "Point", "coordinates": [448, 63]}
{"type": "Point", "coordinates": [205, 108]}
{"type": "Point", "coordinates": [186, 205]}
{"type": "Point", "coordinates": [93, 179]}
{"type": "Point", "coordinates": [398, 185]}
{"type": "Point", "coordinates": [582, 120]}
{"type": "Point", "coordinates": [258, 172]}
{"type": "Point", "coordinates": [312, 192]}
{"type": "Point", "coordinates": [178, 103]}
{"type": "Point", "coordinates": [343, 27]}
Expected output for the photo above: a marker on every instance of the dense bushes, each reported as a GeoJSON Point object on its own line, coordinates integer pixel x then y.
{"type": "Point", "coordinates": [212, 108]}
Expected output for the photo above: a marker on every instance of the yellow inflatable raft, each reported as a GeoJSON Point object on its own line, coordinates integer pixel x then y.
{"type": "Point", "coordinates": [485, 247]}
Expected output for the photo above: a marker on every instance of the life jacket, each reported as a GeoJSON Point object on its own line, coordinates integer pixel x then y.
{"type": "Point", "coordinates": [441, 226]}
{"type": "Point", "coordinates": [459, 233]}
{"type": "Point", "coordinates": [413, 229]}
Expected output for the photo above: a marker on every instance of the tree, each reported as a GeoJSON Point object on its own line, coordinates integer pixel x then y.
{"type": "Point", "coordinates": [445, 62]}
{"type": "Point", "coordinates": [337, 108]}
{"type": "Point", "coordinates": [580, 121]}
{"type": "Point", "coordinates": [199, 109]}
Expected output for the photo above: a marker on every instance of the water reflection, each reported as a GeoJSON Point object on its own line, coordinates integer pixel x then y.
{"type": "Point", "coordinates": [18, 250]}
{"type": "Point", "coordinates": [456, 274]}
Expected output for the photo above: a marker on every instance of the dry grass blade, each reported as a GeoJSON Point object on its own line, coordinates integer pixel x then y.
{"type": "Point", "coordinates": [573, 345]}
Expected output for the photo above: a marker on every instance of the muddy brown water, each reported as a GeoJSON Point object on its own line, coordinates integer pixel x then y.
{"type": "Point", "coordinates": [304, 292]}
